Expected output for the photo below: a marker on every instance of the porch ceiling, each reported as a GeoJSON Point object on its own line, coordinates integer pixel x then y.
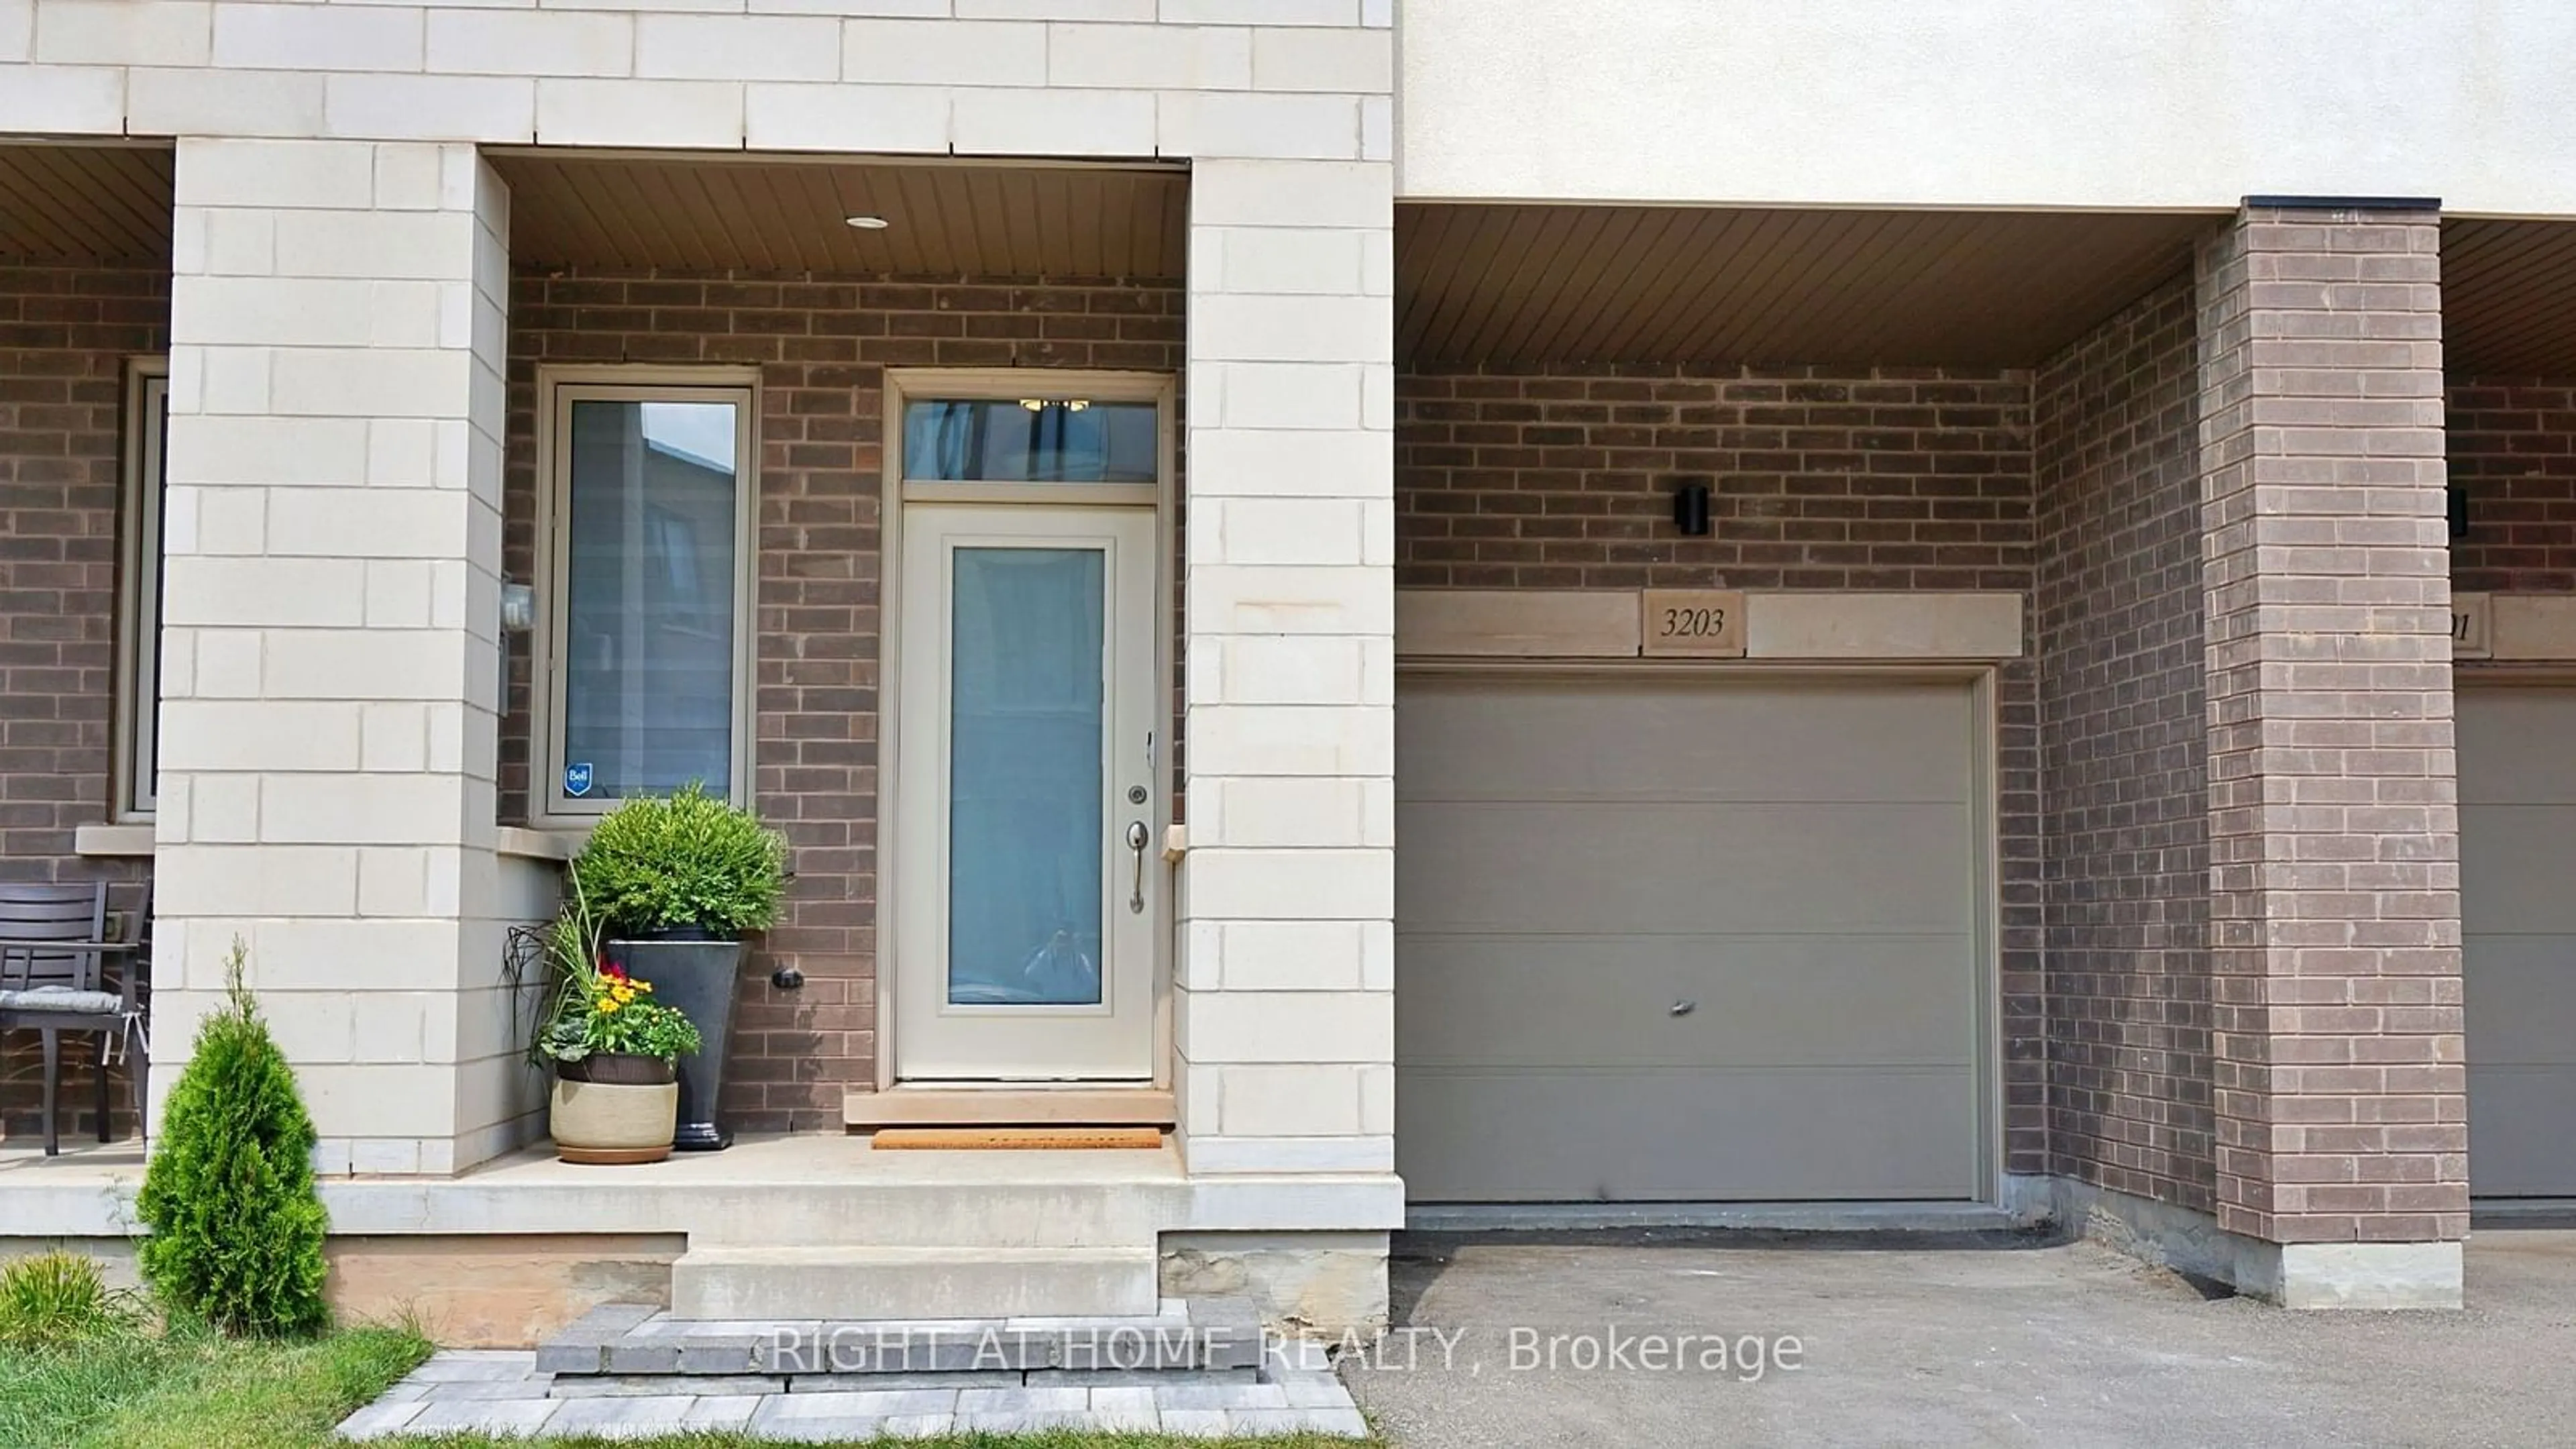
{"type": "Point", "coordinates": [788, 216]}
{"type": "Point", "coordinates": [1525, 285]}
{"type": "Point", "coordinates": [2509, 298]}
{"type": "Point", "coordinates": [84, 205]}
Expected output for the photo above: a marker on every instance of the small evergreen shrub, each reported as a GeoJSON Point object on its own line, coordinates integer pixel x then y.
{"type": "Point", "coordinates": [236, 1227]}
{"type": "Point", "coordinates": [60, 1300]}
{"type": "Point", "coordinates": [686, 860]}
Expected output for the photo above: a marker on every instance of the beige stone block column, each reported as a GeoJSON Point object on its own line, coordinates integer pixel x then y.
{"type": "Point", "coordinates": [1286, 979]}
{"type": "Point", "coordinates": [331, 612]}
{"type": "Point", "coordinates": [2334, 851]}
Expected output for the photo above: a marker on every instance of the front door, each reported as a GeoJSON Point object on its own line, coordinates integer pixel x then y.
{"type": "Point", "coordinates": [1027, 857]}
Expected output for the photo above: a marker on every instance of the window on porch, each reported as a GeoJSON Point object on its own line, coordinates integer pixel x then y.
{"type": "Point", "coordinates": [138, 605]}
{"type": "Point", "coordinates": [645, 599]}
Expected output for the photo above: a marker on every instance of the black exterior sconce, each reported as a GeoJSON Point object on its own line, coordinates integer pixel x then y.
{"type": "Point", "coordinates": [2455, 501]}
{"type": "Point", "coordinates": [1690, 507]}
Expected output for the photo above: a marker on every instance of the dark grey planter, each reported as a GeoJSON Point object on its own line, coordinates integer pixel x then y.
{"type": "Point", "coordinates": [698, 978]}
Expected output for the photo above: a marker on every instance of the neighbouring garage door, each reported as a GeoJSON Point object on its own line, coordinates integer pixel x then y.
{"type": "Point", "coordinates": [2518, 919]}
{"type": "Point", "coordinates": [1686, 939]}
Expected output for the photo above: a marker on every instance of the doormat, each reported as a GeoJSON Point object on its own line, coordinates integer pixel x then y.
{"type": "Point", "coordinates": [1002, 1139]}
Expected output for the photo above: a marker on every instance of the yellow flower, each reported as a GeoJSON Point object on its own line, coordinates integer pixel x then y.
{"type": "Point", "coordinates": [609, 1005]}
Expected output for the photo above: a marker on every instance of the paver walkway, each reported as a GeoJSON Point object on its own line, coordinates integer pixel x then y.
{"type": "Point", "coordinates": [502, 1392]}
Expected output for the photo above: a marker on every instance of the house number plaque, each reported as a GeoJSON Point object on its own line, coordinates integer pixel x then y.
{"type": "Point", "coordinates": [2472, 625]}
{"type": "Point", "coordinates": [1693, 624]}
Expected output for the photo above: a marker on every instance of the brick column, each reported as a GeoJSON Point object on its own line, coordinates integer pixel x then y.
{"type": "Point", "coordinates": [1286, 1000]}
{"type": "Point", "coordinates": [329, 674]}
{"type": "Point", "coordinates": [2333, 845]}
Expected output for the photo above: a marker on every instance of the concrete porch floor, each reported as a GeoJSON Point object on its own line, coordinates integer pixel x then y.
{"type": "Point", "coordinates": [778, 1176]}
{"type": "Point", "coordinates": [794, 1159]}
{"type": "Point", "coordinates": [82, 1159]}
{"type": "Point", "coordinates": [2053, 1345]}
{"type": "Point", "coordinates": [781, 1159]}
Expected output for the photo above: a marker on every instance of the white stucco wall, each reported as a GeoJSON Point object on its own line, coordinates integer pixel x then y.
{"type": "Point", "coordinates": [2105, 103]}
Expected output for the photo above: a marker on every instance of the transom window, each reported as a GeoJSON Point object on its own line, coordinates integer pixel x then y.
{"type": "Point", "coordinates": [1030, 440]}
{"type": "Point", "coordinates": [645, 612]}
{"type": "Point", "coordinates": [1036, 435]}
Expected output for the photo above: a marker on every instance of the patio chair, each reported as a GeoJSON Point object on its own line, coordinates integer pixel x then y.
{"type": "Point", "coordinates": [60, 971]}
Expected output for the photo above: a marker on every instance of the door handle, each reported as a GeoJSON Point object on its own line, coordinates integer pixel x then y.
{"type": "Point", "coordinates": [1136, 843]}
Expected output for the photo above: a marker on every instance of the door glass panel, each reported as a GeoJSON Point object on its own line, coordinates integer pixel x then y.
{"type": "Point", "coordinates": [1024, 791]}
{"type": "Point", "coordinates": [648, 624]}
{"type": "Point", "coordinates": [1033, 440]}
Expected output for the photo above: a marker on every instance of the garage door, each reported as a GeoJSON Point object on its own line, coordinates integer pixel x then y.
{"type": "Point", "coordinates": [1685, 940]}
{"type": "Point", "coordinates": [2518, 921]}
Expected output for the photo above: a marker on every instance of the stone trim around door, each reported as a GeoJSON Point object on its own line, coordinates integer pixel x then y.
{"type": "Point", "coordinates": [1780, 626]}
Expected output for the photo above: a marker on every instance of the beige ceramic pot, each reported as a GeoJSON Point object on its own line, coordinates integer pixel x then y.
{"type": "Point", "coordinates": [611, 1110]}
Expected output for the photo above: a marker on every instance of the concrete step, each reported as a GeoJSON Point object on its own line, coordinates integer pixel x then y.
{"type": "Point", "coordinates": [627, 1348]}
{"type": "Point", "coordinates": [970, 1208]}
{"type": "Point", "coordinates": [913, 1283]}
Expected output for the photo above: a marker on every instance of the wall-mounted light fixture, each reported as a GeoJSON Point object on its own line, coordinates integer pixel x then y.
{"type": "Point", "coordinates": [1690, 507]}
{"type": "Point", "coordinates": [2455, 500]}
{"type": "Point", "coordinates": [518, 616]}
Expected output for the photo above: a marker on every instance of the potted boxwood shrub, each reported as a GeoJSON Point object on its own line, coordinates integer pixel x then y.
{"type": "Point", "coordinates": [613, 1048]}
{"type": "Point", "coordinates": [677, 882]}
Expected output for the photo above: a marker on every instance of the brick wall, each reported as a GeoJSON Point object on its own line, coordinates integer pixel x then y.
{"type": "Point", "coordinates": [65, 336]}
{"type": "Point", "coordinates": [2124, 777]}
{"type": "Point", "coordinates": [2512, 445]}
{"type": "Point", "coordinates": [1823, 479]}
{"type": "Point", "coordinates": [2334, 851]}
{"type": "Point", "coordinates": [821, 345]}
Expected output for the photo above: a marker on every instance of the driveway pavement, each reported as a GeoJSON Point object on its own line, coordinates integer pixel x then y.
{"type": "Point", "coordinates": [2015, 1343]}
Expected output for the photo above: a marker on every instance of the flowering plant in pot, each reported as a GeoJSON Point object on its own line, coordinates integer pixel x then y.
{"type": "Point", "coordinates": [614, 1049]}
{"type": "Point", "coordinates": [677, 881]}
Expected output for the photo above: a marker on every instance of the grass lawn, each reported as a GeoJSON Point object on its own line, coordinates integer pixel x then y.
{"type": "Point", "coordinates": [197, 1392]}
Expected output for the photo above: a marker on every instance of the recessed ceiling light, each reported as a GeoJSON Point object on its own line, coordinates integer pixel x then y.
{"type": "Point", "coordinates": [865, 222]}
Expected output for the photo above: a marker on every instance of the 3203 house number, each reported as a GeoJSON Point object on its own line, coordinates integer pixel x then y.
{"type": "Point", "coordinates": [1694, 623]}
